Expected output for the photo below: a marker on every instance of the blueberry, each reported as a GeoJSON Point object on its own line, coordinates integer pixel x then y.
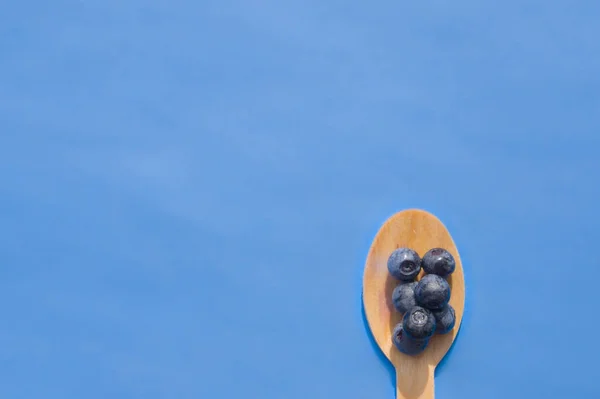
{"type": "Point", "coordinates": [432, 292]}
{"type": "Point", "coordinates": [419, 323]}
{"type": "Point", "coordinates": [403, 297]}
{"type": "Point", "coordinates": [438, 261]}
{"type": "Point", "coordinates": [445, 319]}
{"type": "Point", "coordinates": [406, 344]}
{"type": "Point", "coordinates": [404, 264]}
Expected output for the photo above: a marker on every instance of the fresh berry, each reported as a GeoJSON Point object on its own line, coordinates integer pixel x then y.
{"type": "Point", "coordinates": [403, 297]}
{"type": "Point", "coordinates": [406, 344]}
{"type": "Point", "coordinates": [438, 261]}
{"type": "Point", "coordinates": [445, 319]}
{"type": "Point", "coordinates": [419, 323]}
{"type": "Point", "coordinates": [432, 292]}
{"type": "Point", "coordinates": [404, 264]}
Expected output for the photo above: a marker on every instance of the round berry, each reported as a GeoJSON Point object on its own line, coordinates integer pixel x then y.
{"type": "Point", "coordinates": [419, 323]}
{"type": "Point", "coordinates": [438, 261]}
{"type": "Point", "coordinates": [445, 318]}
{"type": "Point", "coordinates": [406, 344]}
{"type": "Point", "coordinates": [403, 297]}
{"type": "Point", "coordinates": [404, 264]}
{"type": "Point", "coordinates": [432, 292]}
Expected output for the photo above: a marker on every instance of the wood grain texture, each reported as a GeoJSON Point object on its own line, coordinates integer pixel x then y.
{"type": "Point", "coordinates": [421, 231]}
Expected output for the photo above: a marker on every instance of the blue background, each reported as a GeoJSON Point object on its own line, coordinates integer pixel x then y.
{"type": "Point", "coordinates": [189, 190]}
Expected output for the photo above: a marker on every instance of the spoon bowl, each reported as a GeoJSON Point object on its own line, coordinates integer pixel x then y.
{"type": "Point", "coordinates": [420, 231]}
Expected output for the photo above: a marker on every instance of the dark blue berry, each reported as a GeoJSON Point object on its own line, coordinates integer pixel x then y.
{"type": "Point", "coordinates": [445, 319]}
{"type": "Point", "coordinates": [432, 292]}
{"type": "Point", "coordinates": [403, 297]}
{"type": "Point", "coordinates": [419, 323]}
{"type": "Point", "coordinates": [438, 261]}
{"type": "Point", "coordinates": [405, 343]}
{"type": "Point", "coordinates": [404, 264]}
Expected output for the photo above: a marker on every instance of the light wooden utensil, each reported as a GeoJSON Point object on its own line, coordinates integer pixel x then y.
{"type": "Point", "coordinates": [421, 231]}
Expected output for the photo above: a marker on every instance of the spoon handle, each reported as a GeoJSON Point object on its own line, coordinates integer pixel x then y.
{"type": "Point", "coordinates": [415, 383]}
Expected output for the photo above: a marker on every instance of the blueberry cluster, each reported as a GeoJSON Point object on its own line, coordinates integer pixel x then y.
{"type": "Point", "coordinates": [424, 303]}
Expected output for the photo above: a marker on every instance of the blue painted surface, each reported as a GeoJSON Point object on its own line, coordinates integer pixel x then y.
{"type": "Point", "coordinates": [189, 190]}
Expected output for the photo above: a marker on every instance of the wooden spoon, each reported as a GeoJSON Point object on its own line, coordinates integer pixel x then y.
{"type": "Point", "coordinates": [421, 231]}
